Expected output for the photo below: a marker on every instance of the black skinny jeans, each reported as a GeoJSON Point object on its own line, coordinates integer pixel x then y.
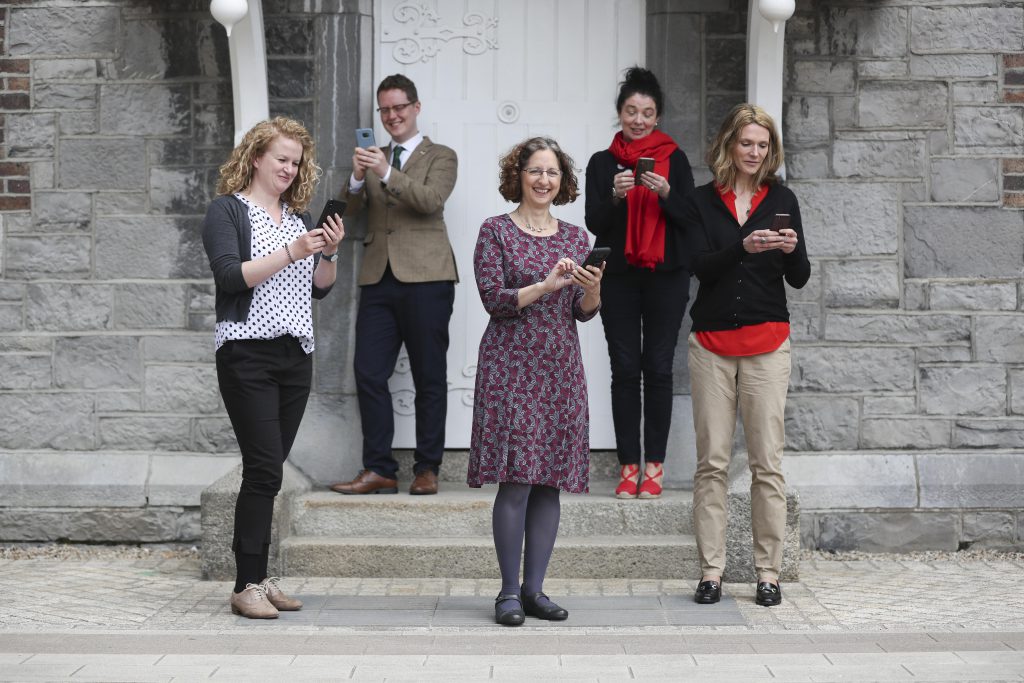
{"type": "Point", "coordinates": [642, 312]}
{"type": "Point", "coordinates": [265, 385]}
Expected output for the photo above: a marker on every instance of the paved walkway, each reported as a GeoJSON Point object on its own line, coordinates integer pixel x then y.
{"type": "Point", "coordinates": [952, 617]}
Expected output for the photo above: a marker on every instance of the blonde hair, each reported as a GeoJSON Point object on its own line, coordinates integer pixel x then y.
{"type": "Point", "coordinates": [236, 173]}
{"type": "Point", "coordinates": [720, 158]}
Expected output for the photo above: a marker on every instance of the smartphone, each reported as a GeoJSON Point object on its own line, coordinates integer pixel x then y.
{"type": "Point", "coordinates": [597, 256]}
{"type": "Point", "coordinates": [333, 206]}
{"type": "Point", "coordinates": [643, 165]}
{"type": "Point", "coordinates": [364, 138]}
{"type": "Point", "coordinates": [780, 221]}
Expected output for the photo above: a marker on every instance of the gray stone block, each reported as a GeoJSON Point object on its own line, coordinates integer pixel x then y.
{"type": "Point", "coordinates": [52, 306]}
{"type": "Point", "coordinates": [63, 211]}
{"type": "Point", "coordinates": [739, 540]}
{"type": "Point", "coordinates": [973, 296]}
{"type": "Point", "coordinates": [934, 236]}
{"type": "Point", "coordinates": [145, 109]}
{"type": "Point", "coordinates": [938, 142]}
{"type": "Point", "coordinates": [179, 190]}
{"type": "Point", "coordinates": [862, 283]}
{"type": "Point", "coordinates": [149, 247]}
{"type": "Point", "coordinates": [32, 30]}
{"type": "Point", "coordinates": [831, 369]}
{"type": "Point", "coordinates": [152, 49]}
{"type": "Point", "coordinates": [808, 76]}
{"type": "Point", "coordinates": [178, 348]}
{"type": "Point", "coordinates": [120, 203]}
{"type": "Point", "coordinates": [59, 421]}
{"type": "Point", "coordinates": [23, 372]}
{"type": "Point", "coordinates": [1017, 391]}
{"type": "Point", "coordinates": [11, 318]}
{"type": "Point", "coordinates": [118, 401]}
{"type": "Point", "coordinates": [902, 104]}
{"type": "Point", "coordinates": [851, 480]}
{"type": "Point", "coordinates": [805, 322]}
{"type": "Point", "coordinates": [681, 460]}
{"type": "Point", "coordinates": [910, 433]}
{"type": "Point", "coordinates": [876, 32]}
{"type": "Point", "coordinates": [155, 432]}
{"type": "Point", "coordinates": [48, 256]}
{"type": "Point", "coordinates": [29, 479]}
{"type": "Point", "coordinates": [102, 164]}
{"type": "Point", "coordinates": [969, 29]}
{"type": "Point", "coordinates": [100, 362]}
{"type": "Point", "coordinates": [999, 338]}
{"type": "Point", "coordinates": [989, 529]}
{"type": "Point", "coordinates": [807, 163]}
{"type": "Point", "coordinates": [988, 433]}
{"type": "Point", "coordinates": [182, 389]}
{"type": "Point", "coordinates": [988, 130]}
{"type": "Point", "coordinates": [831, 211]}
{"type": "Point", "coordinates": [329, 445]}
{"type": "Point", "coordinates": [213, 435]}
{"type": "Point", "coordinates": [821, 423]}
{"type": "Point", "coordinates": [42, 175]}
{"type": "Point", "coordinates": [879, 155]}
{"type": "Point", "coordinates": [181, 479]}
{"type": "Point", "coordinates": [954, 65]}
{"type": "Point", "coordinates": [71, 96]}
{"type": "Point", "coordinates": [81, 122]}
{"type": "Point", "coordinates": [30, 135]}
{"type": "Point", "coordinates": [971, 480]}
{"type": "Point", "coordinates": [217, 562]}
{"type": "Point", "coordinates": [100, 524]}
{"type": "Point", "coordinates": [63, 69]}
{"type": "Point", "coordinates": [888, 532]}
{"type": "Point", "coordinates": [898, 328]}
{"type": "Point", "coordinates": [890, 405]}
{"type": "Point", "coordinates": [883, 68]}
{"type": "Point", "coordinates": [150, 306]}
{"type": "Point", "coordinates": [963, 390]}
{"type": "Point", "coordinates": [976, 93]}
{"type": "Point", "coordinates": [807, 119]}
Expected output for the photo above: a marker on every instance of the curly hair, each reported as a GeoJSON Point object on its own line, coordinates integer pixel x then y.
{"type": "Point", "coordinates": [236, 173]}
{"type": "Point", "coordinates": [514, 162]}
{"type": "Point", "coordinates": [720, 159]}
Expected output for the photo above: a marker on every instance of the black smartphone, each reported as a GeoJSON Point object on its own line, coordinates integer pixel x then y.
{"type": "Point", "coordinates": [364, 138]}
{"type": "Point", "coordinates": [643, 165]}
{"type": "Point", "coordinates": [780, 221]}
{"type": "Point", "coordinates": [333, 206]}
{"type": "Point", "coordinates": [597, 256]}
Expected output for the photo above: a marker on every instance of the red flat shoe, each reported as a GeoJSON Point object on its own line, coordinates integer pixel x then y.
{"type": "Point", "coordinates": [629, 475]}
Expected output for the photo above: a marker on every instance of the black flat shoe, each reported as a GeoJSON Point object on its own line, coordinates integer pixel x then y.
{"type": "Point", "coordinates": [768, 594]}
{"type": "Point", "coordinates": [550, 611]}
{"type": "Point", "coordinates": [509, 617]}
{"type": "Point", "coordinates": [708, 592]}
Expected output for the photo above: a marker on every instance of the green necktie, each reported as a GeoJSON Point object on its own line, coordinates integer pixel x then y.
{"type": "Point", "coordinates": [396, 157]}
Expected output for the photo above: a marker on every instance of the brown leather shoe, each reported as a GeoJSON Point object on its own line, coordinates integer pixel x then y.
{"type": "Point", "coordinates": [277, 597]}
{"type": "Point", "coordinates": [367, 482]}
{"type": "Point", "coordinates": [425, 484]}
{"type": "Point", "coordinates": [253, 603]}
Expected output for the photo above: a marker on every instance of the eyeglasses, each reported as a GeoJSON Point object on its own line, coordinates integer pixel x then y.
{"type": "Point", "coordinates": [553, 173]}
{"type": "Point", "coordinates": [398, 109]}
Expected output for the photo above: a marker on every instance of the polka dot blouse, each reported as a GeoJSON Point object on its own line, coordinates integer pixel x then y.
{"type": "Point", "coordinates": [282, 304]}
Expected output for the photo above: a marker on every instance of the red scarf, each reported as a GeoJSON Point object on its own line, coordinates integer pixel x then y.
{"type": "Point", "coordinates": [645, 224]}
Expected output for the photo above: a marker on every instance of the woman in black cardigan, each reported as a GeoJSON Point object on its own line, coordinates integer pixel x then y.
{"type": "Point", "coordinates": [268, 262]}
{"type": "Point", "coordinates": [646, 283]}
{"type": "Point", "coordinates": [747, 243]}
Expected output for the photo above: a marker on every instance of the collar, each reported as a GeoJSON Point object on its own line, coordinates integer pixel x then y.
{"type": "Point", "coordinates": [409, 145]}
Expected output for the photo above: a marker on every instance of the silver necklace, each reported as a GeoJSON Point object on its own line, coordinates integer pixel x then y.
{"type": "Point", "coordinates": [526, 222]}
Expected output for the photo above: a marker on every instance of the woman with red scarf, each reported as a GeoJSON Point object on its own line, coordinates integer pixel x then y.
{"type": "Point", "coordinates": [646, 283]}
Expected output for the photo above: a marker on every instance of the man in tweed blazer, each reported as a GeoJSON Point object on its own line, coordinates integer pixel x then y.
{"type": "Point", "coordinates": [407, 289]}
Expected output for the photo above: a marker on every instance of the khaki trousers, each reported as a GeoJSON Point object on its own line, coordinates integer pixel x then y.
{"type": "Point", "coordinates": [757, 385]}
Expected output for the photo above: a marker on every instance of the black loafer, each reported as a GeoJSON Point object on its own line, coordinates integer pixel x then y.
{"type": "Point", "coordinates": [768, 594]}
{"type": "Point", "coordinates": [708, 592]}
{"type": "Point", "coordinates": [550, 611]}
{"type": "Point", "coordinates": [509, 617]}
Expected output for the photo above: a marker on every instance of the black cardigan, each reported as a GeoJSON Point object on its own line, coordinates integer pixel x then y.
{"type": "Point", "coordinates": [227, 237]}
{"type": "Point", "coordinates": [607, 220]}
{"type": "Point", "coordinates": [737, 288]}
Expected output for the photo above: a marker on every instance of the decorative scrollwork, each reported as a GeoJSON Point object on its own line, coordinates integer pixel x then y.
{"type": "Point", "coordinates": [418, 37]}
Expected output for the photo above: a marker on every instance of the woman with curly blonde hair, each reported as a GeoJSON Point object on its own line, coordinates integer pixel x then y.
{"type": "Point", "coordinates": [268, 263]}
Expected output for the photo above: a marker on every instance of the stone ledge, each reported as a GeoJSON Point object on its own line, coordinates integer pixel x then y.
{"type": "Point", "coordinates": [170, 524]}
{"type": "Point", "coordinates": [181, 479]}
{"type": "Point", "coordinates": [971, 480]}
{"type": "Point", "coordinates": [852, 480]}
{"type": "Point", "coordinates": [73, 479]}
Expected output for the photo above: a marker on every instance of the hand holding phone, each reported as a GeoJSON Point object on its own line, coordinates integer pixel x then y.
{"type": "Point", "coordinates": [365, 138]}
{"type": "Point", "coordinates": [780, 221]}
{"type": "Point", "coordinates": [333, 206]}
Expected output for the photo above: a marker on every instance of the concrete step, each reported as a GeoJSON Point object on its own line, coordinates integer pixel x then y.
{"type": "Point", "coordinates": [589, 557]}
{"type": "Point", "coordinates": [461, 511]}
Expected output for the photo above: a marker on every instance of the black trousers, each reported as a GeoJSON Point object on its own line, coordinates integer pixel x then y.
{"type": "Point", "coordinates": [642, 311]}
{"type": "Point", "coordinates": [390, 313]}
{"type": "Point", "coordinates": [265, 385]}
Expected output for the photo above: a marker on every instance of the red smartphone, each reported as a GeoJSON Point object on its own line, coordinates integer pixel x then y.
{"type": "Point", "coordinates": [780, 221]}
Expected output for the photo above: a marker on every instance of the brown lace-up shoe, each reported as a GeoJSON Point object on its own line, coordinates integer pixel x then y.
{"type": "Point", "coordinates": [277, 597]}
{"type": "Point", "coordinates": [425, 484]}
{"type": "Point", "coordinates": [367, 482]}
{"type": "Point", "coordinates": [252, 603]}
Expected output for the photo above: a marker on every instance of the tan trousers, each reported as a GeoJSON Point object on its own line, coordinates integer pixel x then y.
{"type": "Point", "coordinates": [757, 385]}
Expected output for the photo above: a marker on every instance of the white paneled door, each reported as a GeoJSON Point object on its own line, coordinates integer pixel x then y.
{"type": "Point", "coordinates": [491, 73]}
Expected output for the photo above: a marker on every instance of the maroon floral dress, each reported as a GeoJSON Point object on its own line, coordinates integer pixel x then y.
{"type": "Point", "coordinates": [531, 422]}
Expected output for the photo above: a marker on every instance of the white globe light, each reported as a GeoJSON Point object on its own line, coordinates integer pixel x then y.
{"type": "Point", "coordinates": [776, 11]}
{"type": "Point", "coordinates": [229, 12]}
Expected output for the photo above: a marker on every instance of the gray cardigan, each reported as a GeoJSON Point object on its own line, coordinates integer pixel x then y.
{"type": "Point", "coordinates": [227, 237]}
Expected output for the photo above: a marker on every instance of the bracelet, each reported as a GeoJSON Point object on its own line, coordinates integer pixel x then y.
{"type": "Point", "coordinates": [289, 252]}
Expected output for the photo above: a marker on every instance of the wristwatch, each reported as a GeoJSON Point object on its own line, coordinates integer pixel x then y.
{"type": "Point", "coordinates": [331, 258]}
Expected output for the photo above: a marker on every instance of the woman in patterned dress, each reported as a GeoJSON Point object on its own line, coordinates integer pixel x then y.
{"type": "Point", "coordinates": [530, 416]}
{"type": "Point", "coordinates": [268, 262]}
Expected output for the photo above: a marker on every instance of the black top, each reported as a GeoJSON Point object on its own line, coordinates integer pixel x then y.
{"type": "Point", "coordinates": [737, 288]}
{"type": "Point", "coordinates": [227, 237]}
{"type": "Point", "coordinates": [607, 219]}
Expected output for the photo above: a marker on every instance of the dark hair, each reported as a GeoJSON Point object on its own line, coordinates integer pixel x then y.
{"type": "Point", "coordinates": [514, 161]}
{"type": "Point", "coordinates": [642, 81]}
{"type": "Point", "coordinates": [399, 82]}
